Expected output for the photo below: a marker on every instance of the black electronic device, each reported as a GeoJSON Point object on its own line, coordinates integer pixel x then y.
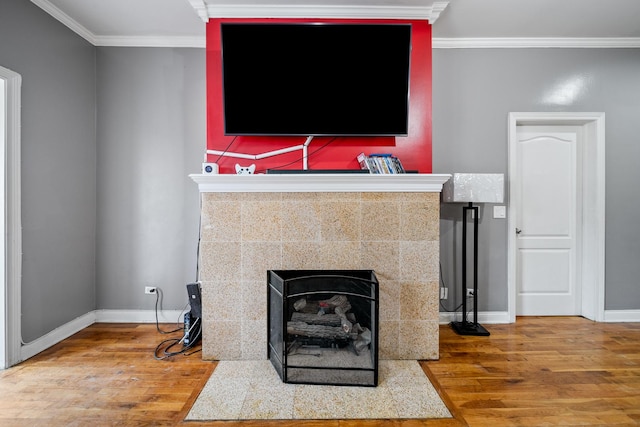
{"type": "Point", "coordinates": [316, 79]}
{"type": "Point", "coordinates": [193, 319]}
{"type": "Point", "coordinates": [192, 330]}
{"type": "Point", "coordinates": [195, 299]}
{"type": "Point", "coordinates": [315, 171]}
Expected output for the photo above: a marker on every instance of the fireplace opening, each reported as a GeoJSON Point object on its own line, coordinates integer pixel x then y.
{"type": "Point", "coordinates": [323, 326]}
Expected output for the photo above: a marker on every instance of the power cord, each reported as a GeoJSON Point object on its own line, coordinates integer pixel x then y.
{"type": "Point", "coordinates": [158, 297]}
{"type": "Point", "coordinates": [302, 158]}
{"type": "Point", "coordinates": [168, 344]}
{"type": "Point", "coordinates": [443, 285]}
{"type": "Point", "coordinates": [164, 349]}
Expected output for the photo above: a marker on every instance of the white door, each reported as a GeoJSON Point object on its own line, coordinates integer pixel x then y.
{"type": "Point", "coordinates": [547, 197]}
{"type": "Point", "coordinates": [3, 314]}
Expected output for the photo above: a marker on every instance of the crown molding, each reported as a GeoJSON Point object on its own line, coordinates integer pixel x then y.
{"type": "Point", "coordinates": [535, 42]}
{"type": "Point", "coordinates": [200, 7]}
{"type": "Point", "coordinates": [66, 20]}
{"type": "Point", "coordinates": [150, 41]}
{"type": "Point", "coordinates": [430, 13]}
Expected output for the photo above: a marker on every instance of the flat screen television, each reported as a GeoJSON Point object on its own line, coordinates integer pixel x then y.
{"type": "Point", "coordinates": [316, 79]}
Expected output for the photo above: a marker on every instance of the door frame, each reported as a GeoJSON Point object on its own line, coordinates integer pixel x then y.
{"type": "Point", "coordinates": [10, 296]}
{"type": "Point", "coordinates": [593, 206]}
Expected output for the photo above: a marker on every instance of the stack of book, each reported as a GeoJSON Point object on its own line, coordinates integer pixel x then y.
{"type": "Point", "coordinates": [380, 163]}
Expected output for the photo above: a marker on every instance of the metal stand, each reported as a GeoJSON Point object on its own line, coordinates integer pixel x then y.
{"type": "Point", "coordinates": [465, 327]}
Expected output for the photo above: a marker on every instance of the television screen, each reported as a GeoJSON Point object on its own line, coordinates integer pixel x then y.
{"type": "Point", "coordinates": [316, 79]}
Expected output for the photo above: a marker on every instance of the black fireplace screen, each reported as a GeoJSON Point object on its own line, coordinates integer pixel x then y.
{"type": "Point", "coordinates": [323, 326]}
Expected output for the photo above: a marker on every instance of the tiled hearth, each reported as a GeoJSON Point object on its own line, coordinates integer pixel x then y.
{"type": "Point", "coordinates": [251, 224]}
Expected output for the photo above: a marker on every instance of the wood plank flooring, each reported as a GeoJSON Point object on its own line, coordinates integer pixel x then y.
{"type": "Point", "coordinates": [539, 371]}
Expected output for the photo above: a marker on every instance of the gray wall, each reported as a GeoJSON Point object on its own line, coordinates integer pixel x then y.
{"type": "Point", "coordinates": [475, 89]}
{"type": "Point", "coordinates": [58, 165]}
{"type": "Point", "coordinates": [151, 135]}
{"type": "Point", "coordinates": [83, 252]}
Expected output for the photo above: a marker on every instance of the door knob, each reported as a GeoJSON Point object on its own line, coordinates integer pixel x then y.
{"type": "Point", "coordinates": [518, 231]}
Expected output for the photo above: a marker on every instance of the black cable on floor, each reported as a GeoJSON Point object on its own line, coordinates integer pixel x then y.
{"type": "Point", "coordinates": [158, 293]}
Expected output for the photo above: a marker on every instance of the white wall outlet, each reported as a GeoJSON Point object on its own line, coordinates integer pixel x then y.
{"type": "Point", "coordinates": [499, 211]}
{"type": "Point", "coordinates": [150, 290]}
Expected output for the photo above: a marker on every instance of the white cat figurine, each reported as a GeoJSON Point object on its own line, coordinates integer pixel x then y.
{"type": "Point", "coordinates": [245, 170]}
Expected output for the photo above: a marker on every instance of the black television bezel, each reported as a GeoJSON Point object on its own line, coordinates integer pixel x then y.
{"type": "Point", "coordinates": [403, 132]}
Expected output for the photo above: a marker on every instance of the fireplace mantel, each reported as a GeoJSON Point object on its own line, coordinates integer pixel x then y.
{"type": "Point", "coordinates": [299, 183]}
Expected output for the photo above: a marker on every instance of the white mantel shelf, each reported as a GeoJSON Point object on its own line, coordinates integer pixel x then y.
{"type": "Point", "coordinates": [301, 183]}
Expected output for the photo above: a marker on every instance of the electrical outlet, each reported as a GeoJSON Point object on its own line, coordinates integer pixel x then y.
{"type": "Point", "coordinates": [469, 292]}
{"type": "Point", "coordinates": [150, 290]}
{"type": "Point", "coordinates": [444, 293]}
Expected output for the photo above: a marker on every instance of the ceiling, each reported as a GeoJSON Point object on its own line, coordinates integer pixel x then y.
{"type": "Point", "coordinates": [456, 23]}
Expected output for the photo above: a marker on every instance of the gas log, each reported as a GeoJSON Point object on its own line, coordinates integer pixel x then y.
{"type": "Point", "coordinates": [319, 331]}
{"type": "Point", "coordinates": [327, 319]}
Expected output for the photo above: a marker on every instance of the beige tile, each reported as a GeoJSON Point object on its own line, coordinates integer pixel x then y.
{"type": "Point", "coordinates": [229, 395]}
{"type": "Point", "coordinates": [419, 261]}
{"type": "Point", "coordinates": [301, 255]}
{"type": "Point", "coordinates": [220, 261]}
{"type": "Point", "coordinates": [340, 255]}
{"type": "Point", "coordinates": [419, 221]}
{"type": "Point", "coordinates": [340, 196]}
{"type": "Point", "coordinates": [388, 339]}
{"type": "Point", "coordinates": [381, 221]}
{"type": "Point", "coordinates": [251, 390]}
{"type": "Point", "coordinates": [340, 221]}
{"type": "Point", "coordinates": [221, 221]}
{"type": "Point", "coordinates": [389, 306]}
{"type": "Point", "coordinates": [383, 257]}
{"type": "Point", "coordinates": [220, 301]}
{"type": "Point", "coordinates": [261, 221]}
{"type": "Point", "coordinates": [300, 197]}
{"type": "Point", "coordinates": [260, 197]}
{"type": "Point", "coordinates": [220, 197]}
{"type": "Point", "coordinates": [418, 301]}
{"type": "Point", "coordinates": [432, 309]}
{"type": "Point", "coordinates": [222, 341]}
{"type": "Point", "coordinates": [301, 221]}
{"type": "Point", "coordinates": [254, 339]}
{"type": "Point", "coordinates": [268, 402]}
{"type": "Point", "coordinates": [329, 402]}
{"type": "Point", "coordinates": [258, 257]}
{"type": "Point", "coordinates": [418, 340]}
{"type": "Point", "coordinates": [383, 197]}
{"type": "Point", "coordinates": [254, 299]}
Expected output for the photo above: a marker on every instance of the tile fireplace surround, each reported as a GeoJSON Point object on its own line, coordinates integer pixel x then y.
{"type": "Point", "coordinates": [255, 223]}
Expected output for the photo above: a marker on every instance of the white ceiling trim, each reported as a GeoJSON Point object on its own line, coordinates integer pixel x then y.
{"type": "Point", "coordinates": [150, 41]}
{"type": "Point", "coordinates": [201, 9]}
{"type": "Point", "coordinates": [430, 13]}
{"type": "Point", "coordinates": [535, 42]}
{"type": "Point", "coordinates": [66, 20]}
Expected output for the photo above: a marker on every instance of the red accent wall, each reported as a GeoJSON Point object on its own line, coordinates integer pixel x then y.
{"type": "Point", "coordinates": [413, 150]}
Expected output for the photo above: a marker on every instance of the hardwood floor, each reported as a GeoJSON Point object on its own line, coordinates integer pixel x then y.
{"type": "Point", "coordinates": [538, 371]}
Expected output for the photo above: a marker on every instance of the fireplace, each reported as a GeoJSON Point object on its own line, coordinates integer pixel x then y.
{"type": "Point", "coordinates": [255, 223]}
{"type": "Point", "coordinates": [323, 326]}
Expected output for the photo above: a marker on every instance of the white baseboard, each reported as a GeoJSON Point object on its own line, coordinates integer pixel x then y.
{"type": "Point", "coordinates": [484, 317]}
{"type": "Point", "coordinates": [60, 333]}
{"type": "Point", "coordinates": [97, 316]}
{"type": "Point", "coordinates": [497, 317]}
{"type": "Point", "coordinates": [138, 316]}
{"type": "Point", "coordinates": [622, 315]}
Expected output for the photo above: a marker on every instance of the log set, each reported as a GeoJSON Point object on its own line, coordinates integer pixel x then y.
{"type": "Point", "coordinates": [328, 319]}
